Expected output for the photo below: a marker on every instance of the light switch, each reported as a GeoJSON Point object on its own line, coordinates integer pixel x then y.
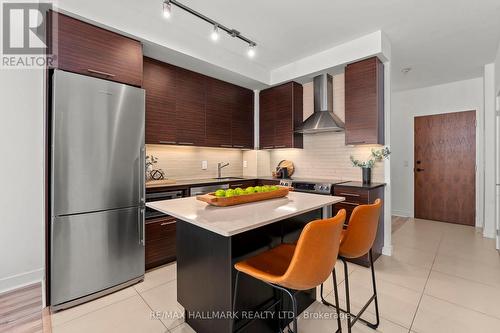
{"type": "Point", "coordinates": [204, 165]}
{"type": "Point", "coordinates": [245, 164]}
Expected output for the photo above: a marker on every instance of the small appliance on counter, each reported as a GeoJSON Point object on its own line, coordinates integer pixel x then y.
{"type": "Point", "coordinates": [284, 170]}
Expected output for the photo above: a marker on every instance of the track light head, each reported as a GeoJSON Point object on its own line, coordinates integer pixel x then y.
{"type": "Point", "coordinates": [215, 33]}
{"type": "Point", "coordinates": [167, 9]}
{"type": "Point", "coordinates": [251, 50]}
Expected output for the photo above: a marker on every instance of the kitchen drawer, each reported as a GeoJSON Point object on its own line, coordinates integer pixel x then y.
{"type": "Point", "coordinates": [243, 184]}
{"type": "Point", "coordinates": [160, 252]}
{"type": "Point", "coordinates": [160, 241]}
{"type": "Point", "coordinates": [348, 208]}
{"type": "Point", "coordinates": [160, 227]}
{"type": "Point", "coordinates": [352, 195]}
{"type": "Point", "coordinates": [262, 182]}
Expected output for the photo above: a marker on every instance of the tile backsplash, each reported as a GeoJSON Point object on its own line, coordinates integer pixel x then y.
{"type": "Point", "coordinates": [180, 162]}
{"type": "Point", "coordinates": [325, 155]}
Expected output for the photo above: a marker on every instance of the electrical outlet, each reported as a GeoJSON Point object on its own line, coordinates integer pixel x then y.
{"type": "Point", "coordinates": [245, 164]}
{"type": "Point", "coordinates": [204, 165]}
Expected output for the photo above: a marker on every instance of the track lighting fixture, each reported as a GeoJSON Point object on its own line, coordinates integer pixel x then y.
{"type": "Point", "coordinates": [215, 35]}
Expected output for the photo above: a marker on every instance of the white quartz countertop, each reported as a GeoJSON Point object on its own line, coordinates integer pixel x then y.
{"type": "Point", "coordinates": [229, 221]}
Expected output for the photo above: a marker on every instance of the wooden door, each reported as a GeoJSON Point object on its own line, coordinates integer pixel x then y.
{"type": "Point", "coordinates": [445, 167]}
{"type": "Point", "coordinates": [190, 108]}
{"type": "Point", "coordinates": [159, 83]}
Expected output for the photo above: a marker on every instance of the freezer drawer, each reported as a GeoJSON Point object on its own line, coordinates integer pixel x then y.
{"type": "Point", "coordinates": [96, 251]}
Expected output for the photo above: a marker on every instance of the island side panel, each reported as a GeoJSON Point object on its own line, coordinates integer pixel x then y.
{"type": "Point", "coordinates": [204, 279]}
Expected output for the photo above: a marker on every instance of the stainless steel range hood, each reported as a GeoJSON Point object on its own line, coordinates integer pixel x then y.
{"type": "Point", "coordinates": [323, 119]}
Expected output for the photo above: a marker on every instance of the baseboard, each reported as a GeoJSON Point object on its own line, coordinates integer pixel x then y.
{"type": "Point", "coordinates": [21, 280]}
{"type": "Point", "coordinates": [401, 213]}
{"type": "Point", "coordinates": [387, 250]}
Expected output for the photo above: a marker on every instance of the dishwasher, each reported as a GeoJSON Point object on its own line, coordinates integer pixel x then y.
{"type": "Point", "coordinates": [194, 191]}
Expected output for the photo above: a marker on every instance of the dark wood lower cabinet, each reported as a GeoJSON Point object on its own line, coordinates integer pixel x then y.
{"type": "Point", "coordinates": [362, 195]}
{"type": "Point", "coordinates": [160, 241]}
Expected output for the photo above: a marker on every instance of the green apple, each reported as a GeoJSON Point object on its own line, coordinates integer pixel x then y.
{"type": "Point", "coordinates": [220, 193]}
{"type": "Point", "coordinates": [266, 188]}
{"type": "Point", "coordinates": [239, 191]}
{"type": "Point", "coordinates": [230, 193]}
{"type": "Point", "coordinates": [249, 190]}
{"type": "Point", "coordinates": [274, 188]}
{"type": "Point", "coordinates": [257, 189]}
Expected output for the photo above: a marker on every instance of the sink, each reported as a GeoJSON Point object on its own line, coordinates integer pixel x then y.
{"type": "Point", "coordinates": [228, 178]}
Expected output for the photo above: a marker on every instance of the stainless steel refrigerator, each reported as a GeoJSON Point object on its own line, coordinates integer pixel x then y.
{"type": "Point", "coordinates": [97, 188]}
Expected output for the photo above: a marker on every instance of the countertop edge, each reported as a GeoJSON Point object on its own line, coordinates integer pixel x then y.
{"type": "Point", "coordinates": [336, 199]}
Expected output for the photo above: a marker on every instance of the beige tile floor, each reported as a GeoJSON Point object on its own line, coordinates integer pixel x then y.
{"type": "Point", "coordinates": [441, 278]}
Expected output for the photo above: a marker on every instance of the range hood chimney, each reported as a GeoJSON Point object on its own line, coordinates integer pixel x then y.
{"type": "Point", "coordinates": [323, 119]}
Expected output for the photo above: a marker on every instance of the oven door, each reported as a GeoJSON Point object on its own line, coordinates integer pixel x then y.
{"type": "Point", "coordinates": [158, 196]}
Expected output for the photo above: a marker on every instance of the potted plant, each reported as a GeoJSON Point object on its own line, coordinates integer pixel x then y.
{"type": "Point", "coordinates": [366, 166]}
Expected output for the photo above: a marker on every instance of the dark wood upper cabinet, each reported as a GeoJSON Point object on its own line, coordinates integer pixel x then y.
{"type": "Point", "coordinates": [364, 102]}
{"type": "Point", "coordinates": [190, 108]}
{"type": "Point", "coordinates": [160, 86]}
{"type": "Point", "coordinates": [242, 119]}
{"type": "Point", "coordinates": [83, 48]}
{"type": "Point", "coordinates": [280, 114]}
{"type": "Point", "coordinates": [221, 96]}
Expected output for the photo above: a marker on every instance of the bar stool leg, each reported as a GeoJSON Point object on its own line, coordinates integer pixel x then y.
{"type": "Point", "coordinates": [347, 300]}
{"type": "Point", "coordinates": [375, 298]}
{"type": "Point", "coordinates": [336, 294]}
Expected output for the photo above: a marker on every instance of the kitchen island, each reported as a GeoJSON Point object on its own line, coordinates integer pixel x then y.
{"type": "Point", "coordinates": [211, 239]}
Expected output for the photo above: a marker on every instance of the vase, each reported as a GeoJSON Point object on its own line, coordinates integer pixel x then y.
{"type": "Point", "coordinates": [367, 175]}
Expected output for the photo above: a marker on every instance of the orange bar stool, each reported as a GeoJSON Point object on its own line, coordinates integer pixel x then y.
{"type": "Point", "coordinates": [293, 268]}
{"type": "Point", "coordinates": [356, 241]}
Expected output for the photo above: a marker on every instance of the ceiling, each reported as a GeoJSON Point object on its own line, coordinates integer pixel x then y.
{"type": "Point", "coordinates": [442, 41]}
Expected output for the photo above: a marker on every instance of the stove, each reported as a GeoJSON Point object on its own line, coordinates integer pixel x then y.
{"type": "Point", "coordinates": [311, 185]}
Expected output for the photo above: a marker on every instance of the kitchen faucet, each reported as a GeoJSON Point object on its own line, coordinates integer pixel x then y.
{"type": "Point", "coordinates": [220, 165]}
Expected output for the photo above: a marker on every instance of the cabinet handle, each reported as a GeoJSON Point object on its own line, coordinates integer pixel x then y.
{"type": "Point", "coordinates": [99, 72]}
{"type": "Point", "coordinates": [280, 146]}
{"type": "Point", "coordinates": [226, 146]}
{"type": "Point", "coordinates": [349, 203]}
{"type": "Point", "coordinates": [349, 194]}
{"type": "Point", "coordinates": [186, 143]}
{"type": "Point", "coordinates": [356, 142]}
{"type": "Point", "coordinates": [167, 223]}
{"type": "Point", "coordinates": [268, 147]}
{"type": "Point", "coordinates": [168, 142]}
{"type": "Point", "coordinates": [236, 185]}
{"type": "Point", "coordinates": [237, 146]}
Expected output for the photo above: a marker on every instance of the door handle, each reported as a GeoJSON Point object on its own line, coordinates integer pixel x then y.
{"type": "Point", "coordinates": [419, 170]}
{"type": "Point", "coordinates": [142, 174]}
{"type": "Point", "coordinates": [141, 227]}
{"type": "Point", "coordinates": [90, 70]}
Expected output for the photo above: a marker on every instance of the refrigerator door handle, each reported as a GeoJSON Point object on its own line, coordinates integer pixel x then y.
{"type": "Point", "coordinates": [141, 227]}
{"type": "Point", "coordinates": [142, 175]}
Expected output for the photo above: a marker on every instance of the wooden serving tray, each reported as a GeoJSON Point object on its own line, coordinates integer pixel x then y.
{"type": "Point", "coordinates": [211, 199]}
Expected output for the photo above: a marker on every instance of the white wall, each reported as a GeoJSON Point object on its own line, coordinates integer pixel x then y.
{"type": "Point", "coordinates": [21, 177]}
{"type": "Point", "coordinates": [489, 226]}
{"type": "Point", "coordinates": [452, 97]}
